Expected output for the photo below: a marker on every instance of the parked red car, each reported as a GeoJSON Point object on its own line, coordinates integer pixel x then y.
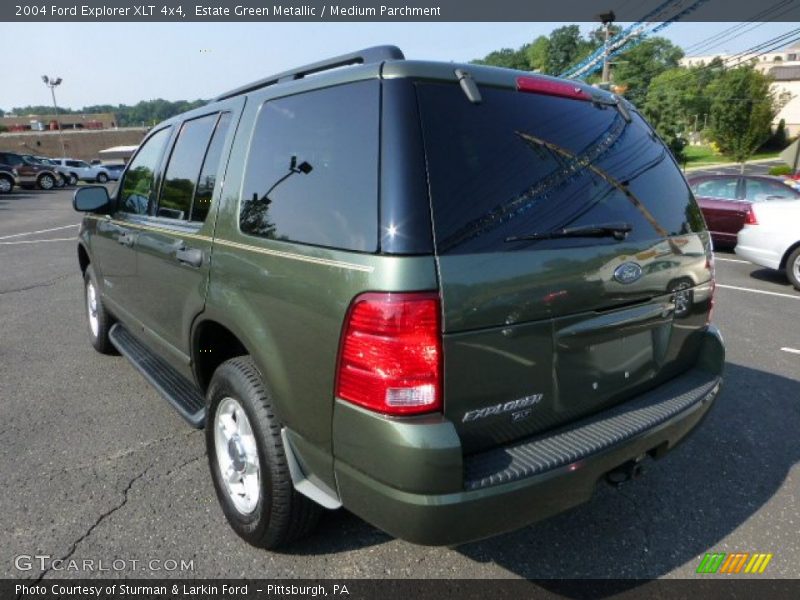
{"type": "Point", "coordinates": [726, 201]}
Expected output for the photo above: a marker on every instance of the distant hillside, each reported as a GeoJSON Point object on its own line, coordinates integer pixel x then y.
{"type": "Point", "coordinates": [147, 112]}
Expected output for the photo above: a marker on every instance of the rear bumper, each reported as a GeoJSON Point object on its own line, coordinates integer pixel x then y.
{"type": "Point", "coordinates": [758, 247]}
{"type": "Point", "coordinates": [502, 490]}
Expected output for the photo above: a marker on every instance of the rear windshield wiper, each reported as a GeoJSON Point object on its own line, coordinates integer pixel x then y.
{"type": "Point", "coordinates": [617, 103]}
{"type": "Point", "coordinates": [619, 231]}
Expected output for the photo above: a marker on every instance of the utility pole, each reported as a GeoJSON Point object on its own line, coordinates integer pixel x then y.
{"type": "Point", "coordinates": [52, 83]}
{"type": "Point", "coordinates": [607, 19]}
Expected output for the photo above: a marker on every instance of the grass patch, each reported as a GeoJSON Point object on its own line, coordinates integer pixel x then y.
{"type": "Point", "coordinates": [704, 155]}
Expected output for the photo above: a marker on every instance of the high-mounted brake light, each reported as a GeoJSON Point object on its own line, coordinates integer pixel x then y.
{"type": "Point", "coordinates": [390, 359]}
{"type": "Point", "coordinates": [750, 217]}
{"type": "Point", "coordinates": [540, 85]}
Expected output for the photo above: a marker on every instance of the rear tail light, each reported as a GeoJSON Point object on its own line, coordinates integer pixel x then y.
{"type": "Point", "coordinates": [390, 359]}
{"type": "Point", "coordinates": [750, 217]}
{"type": "Point", "coordinates": [540, 85]}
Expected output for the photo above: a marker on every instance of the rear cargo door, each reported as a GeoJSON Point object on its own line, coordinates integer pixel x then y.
{"type": "Point", "coordinates": [544, 325]}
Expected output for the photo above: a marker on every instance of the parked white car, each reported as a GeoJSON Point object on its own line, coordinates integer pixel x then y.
{"type": "Point", "coordinates": [773, 239]}
{"type": "Point", "coordinates": [83, 170]}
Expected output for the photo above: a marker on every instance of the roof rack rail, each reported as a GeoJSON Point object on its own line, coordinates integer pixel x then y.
{"type": "Point", "coordinates": [365, 56]}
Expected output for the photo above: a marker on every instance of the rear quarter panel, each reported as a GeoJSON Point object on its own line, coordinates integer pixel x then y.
{"type": "Point", "coordinates": [286, 302]}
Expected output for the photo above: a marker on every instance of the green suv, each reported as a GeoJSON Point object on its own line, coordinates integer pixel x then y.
{"type": "Point", "coordinates": [450, 298]}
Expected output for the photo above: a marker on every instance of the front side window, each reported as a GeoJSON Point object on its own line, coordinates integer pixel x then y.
{"type": "Point", "coordinates": [138, 187]}
{"type": "Point", "coordinates": [312, 171]}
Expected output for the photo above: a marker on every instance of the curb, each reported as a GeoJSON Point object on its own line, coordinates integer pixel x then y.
{"type": "Point", "coordinates": [729, 164]}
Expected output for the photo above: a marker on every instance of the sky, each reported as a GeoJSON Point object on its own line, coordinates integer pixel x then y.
{"type": "Point", "coordinates": [123, 63]}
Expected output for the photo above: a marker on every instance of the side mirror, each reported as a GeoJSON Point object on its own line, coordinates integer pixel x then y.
{"type": "Point", "coordinates": [92, 198]}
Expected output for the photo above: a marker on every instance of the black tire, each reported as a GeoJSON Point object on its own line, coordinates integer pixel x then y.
{"type": "Point", "coordinates": [281, 514]}
{"type": "Point", "coordinates": [6, 184]}
{"type": "Point", "coordinates": [73, 179]}
{"type": "Point", "coordinates": [59, 182]}
{"type": "Point", "coordinates": [793, 268]}
{"type": "Point", "coordinates": [98, 338]}
{"type": "Point", "coordinates": [102, 178]}
{"type": "Point", "coordinates": [46, 182]}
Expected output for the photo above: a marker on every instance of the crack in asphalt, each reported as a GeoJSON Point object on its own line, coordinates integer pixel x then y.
{"type": "Point", "coordinates": [37, 285]}
{"type": "Point", "coordinates": [122, 453]}
{"type": "Point", "coordinates": [184, 464]}
{"type": "Point", "coordinates": [102, 517]}
{"type": "Point", "coordinates": [97, 522]}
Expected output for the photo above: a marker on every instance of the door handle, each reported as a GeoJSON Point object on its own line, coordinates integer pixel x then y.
{"type": "Point", "coordinates": [189, 256]}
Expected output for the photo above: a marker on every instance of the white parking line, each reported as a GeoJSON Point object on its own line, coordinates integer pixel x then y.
{"type": "Point", "coordinates": [735, 260]}
{"type": "Point", "coordinates": [16, 235]}
{"type": "Point", "coordinates": [744, 289]}
{"type": "Point", "coordinates": [791, 350]}
{"type": "Point", "coordinates": [72, 239]}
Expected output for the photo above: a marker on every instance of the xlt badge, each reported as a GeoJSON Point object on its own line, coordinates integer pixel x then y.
{"type": "Point", "coordinates": [503, 407]}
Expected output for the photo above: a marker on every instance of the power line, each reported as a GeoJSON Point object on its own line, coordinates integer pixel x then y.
{"type": "Point", "coordinates": [755, 21]}
{"type": "Point", "coordinates": [634, 34]}
{"type": "Point", "coordinates": [773, 43]}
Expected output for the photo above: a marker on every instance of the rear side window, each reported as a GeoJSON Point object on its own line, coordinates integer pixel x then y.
{"type": "Point", "coordinates": [208, 174]}
{"type": "Point", "coordinates": [184, 168]}
{"type": "Point", "coordinates": [192, 169]}
{"type": "Point", "coordinates": [521, 163]}
{"type": "Point", "coordinates": [138, 187]}
{"type": "Point", "coordinates": [312, 171]}
{"type": "Point", "coordinates": [761, 189]}
{"type": "Point", "coordinates": [723, 189]}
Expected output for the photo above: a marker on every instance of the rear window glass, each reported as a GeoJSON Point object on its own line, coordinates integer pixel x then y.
{"type": "Point", "coordinates": [520, 163]}
{"type": "Point", "coordinates": [312, 171]}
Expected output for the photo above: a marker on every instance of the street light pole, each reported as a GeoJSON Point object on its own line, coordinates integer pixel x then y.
{"type": "Point", "coordinates": [607, 19]}
{"type": "Point", "coordinates": [52, 83]}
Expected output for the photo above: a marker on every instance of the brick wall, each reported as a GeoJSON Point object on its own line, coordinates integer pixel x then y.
{"type": "Point", "coordinates": [83, 145]}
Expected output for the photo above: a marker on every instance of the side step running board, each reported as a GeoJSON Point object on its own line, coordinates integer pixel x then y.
{"type": "Point", "coordinates": [181, 393]}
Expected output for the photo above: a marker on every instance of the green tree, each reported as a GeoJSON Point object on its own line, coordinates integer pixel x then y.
{"type": "Point", "coordinates": [537, 53]}
{"type": "Point", "coordinates": [665, 106]}
{"type": "Point", "coordinates": [637, 67]}
{"type": "Point", "coordinates": [742, 110]}
{"type": "Point", "coordinates": [506, 57]}
{"type": "Point", "coordinates": [147, 111]}
{"type": "Point", "coordinates": [566, 47]}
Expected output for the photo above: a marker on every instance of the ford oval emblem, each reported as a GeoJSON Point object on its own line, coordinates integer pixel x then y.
{"type": "Point", "coordinates": [628, 272]}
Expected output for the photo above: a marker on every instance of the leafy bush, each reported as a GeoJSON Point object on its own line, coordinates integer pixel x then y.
{"type": "Point", "coordinates": [781, 170]}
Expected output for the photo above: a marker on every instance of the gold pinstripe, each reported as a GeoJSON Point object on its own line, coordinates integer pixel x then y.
{"type": "Point", "coordinates": [239, 246]}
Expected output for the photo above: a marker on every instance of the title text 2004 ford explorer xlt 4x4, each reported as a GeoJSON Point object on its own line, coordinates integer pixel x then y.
{"type": "Point", "coordinates": [449, 298]}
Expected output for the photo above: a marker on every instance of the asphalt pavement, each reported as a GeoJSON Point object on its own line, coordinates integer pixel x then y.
{"type": "Point", "coordinates": [95, 466]}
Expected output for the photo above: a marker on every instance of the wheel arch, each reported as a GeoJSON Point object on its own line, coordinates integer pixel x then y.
{"type": "Point", "coordinates": [83, 258]}
{"type": "Point", "coordinates": [788, 252]}
{"type": "Point", "coordinates": [212, 343]}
